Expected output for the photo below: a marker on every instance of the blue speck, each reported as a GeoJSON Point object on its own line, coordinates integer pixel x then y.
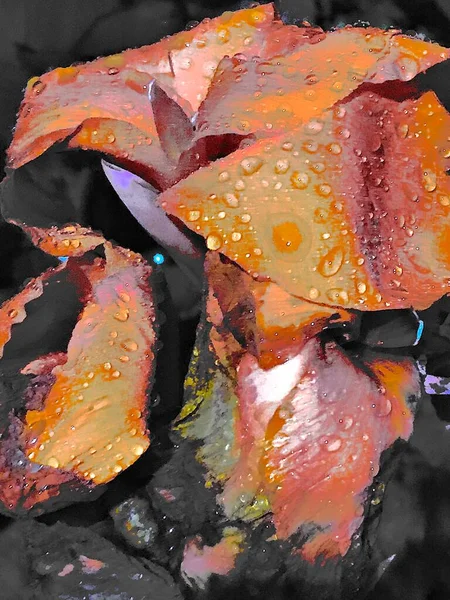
{"type": "Point", "coordinates": [158, 258]}
{"type": "Point", "coordinates": [63, 259]}
{"type": "Point", "coordinates": [419, 333]}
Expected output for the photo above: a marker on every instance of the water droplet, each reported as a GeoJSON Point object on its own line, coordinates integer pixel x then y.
{"type": "Point", "coordinates": [246, 218]}
{"type": "Point", "coordinates": [38, 86]}
{"type": "Point", "coordinates": [193, 215]}
{"type": "Point", "coordinates": [334, 148]}
{"type": "Point", "coordinates": [343, 133]}
{"type": "Point", "coordinates": [407, 68]}
{"type": "Point", "coordinates": [213, 242]}
{"type": "Point", "coordinates": [107, 366]}
{"type": "Point", "coordinates": [221, 215]}
{"type": "Point", "coordinates": [403, 130]}
{"type": "Point", "coordinates": [137, 450]}
{"type": "Point", "coordinates": [331, 262]}
{"type": "Point", "coordinates": [310, 146]}
{"type": "Point", "coordinates": [313, 293]}
{"type": "Point", "coordinates": [115, 374]}
{"type": "Point", "coordinates": [334, 445]}
{"type": "Point", "coordinates": [300, 180]}
{"type": "Point", "coordinates": [361, 287]}
{"type": "Point", "coordinates": [129, 345]}
{"type": "Point", "coordinates": [12, 314]}
{"type": "Point", "coordinates": [340, 112]}
{"type": "Point", "coordinates": [124, 297]}
{"type": "Point", "coordinates": [318, 167]}
{"type": "Point", "coordinates": [224, 176]}
{"type": "Point", "coordinates": [384, 408]}
{"type": "Point", "coordinates": [323, 190]}
{"type": "Point", "coordinates": [231, 200]}
{"type": "Point", "coordinates": [313, 127]}
{"type": "Point", "coordinates": [251, 165]}
{"type": "Point", "coordinates": [429, 181]}
{"type": "Point", "coordinates": [122, 315]}
{"type": "Point", "coordinates": [236, 236]}
{"type": "Point", "coordinates": [337, 295]}
{"type": "Point", "coordinates": [53, 462]}
{"type": "Point", "coordinates": [444, 200]}
{"type": "Point", "coordinates": [282, 166]}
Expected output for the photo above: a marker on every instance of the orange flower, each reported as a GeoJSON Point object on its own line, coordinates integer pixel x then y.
{"type": "Point", "coordinates": [317, 176]}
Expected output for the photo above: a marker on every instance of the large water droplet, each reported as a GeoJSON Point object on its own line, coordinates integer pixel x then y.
{"type": "Point", "coordinates": [300, 180]}
{"type": "Point", "coordinates": [251, 165]}
{"type": "Point", "coordinates": [429, 181]}
{"type": "Point", "coordinates": [331, 262]}
{"type": "Point", "coordinates": [213, 242]}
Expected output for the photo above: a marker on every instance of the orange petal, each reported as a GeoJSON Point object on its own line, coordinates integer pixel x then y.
{"type": "Point", "coordinates": [266, 96]}
{"type": "Point", "coordinates": [104, 380]}
{"type": "Point", "coordinates": [311, 435]}
{"type": "Point", "coordinates": [349, 210]}
{"type": "Point", "coordinates": [71, 240]}
{"type": "Point", "coordinates": [106, 102]}
{"type": "Point", "coordinates": [12, 311]}
{"type": "Point", "coordinates": [194, 55]}
{"type": "Point", "coordinates": [56, 105]}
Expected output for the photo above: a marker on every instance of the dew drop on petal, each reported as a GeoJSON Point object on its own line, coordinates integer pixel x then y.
{"type": "Point", "coordinates": [213, 242]}
{"type": "Point", "coordinates": [300, 180]}
{"type": "Point", "coordinates": [429, 181]}
{"type": "Point", "coordinates": [251, 165]}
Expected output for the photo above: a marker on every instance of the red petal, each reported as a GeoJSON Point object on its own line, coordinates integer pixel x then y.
{"type": "Point", "coordinates": [268, 96]}
{"type": "Point", "coordinates": [311, 435]}
{"type": "Point", "coordinates": [349, 210]}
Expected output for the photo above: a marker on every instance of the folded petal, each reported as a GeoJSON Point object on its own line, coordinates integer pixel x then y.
{"type": "Point", "coordinates": [106, 102]}
{"type": "Point", "coordinates": [105, 106]}
{"type": "Point", "coordinates": [265, 96]}
{"type": "Point", "coordinates": [71, 240]}
{"type": "Point", "coordinates": [104, 379]}
{"type": "Point", "coordinates": [349, 210]}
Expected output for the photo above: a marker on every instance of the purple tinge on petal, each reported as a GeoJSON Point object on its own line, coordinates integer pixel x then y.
{"type": "Point", "coordinates": [437, 385]}
{"type": "Point", "coordinates": [139, 197]}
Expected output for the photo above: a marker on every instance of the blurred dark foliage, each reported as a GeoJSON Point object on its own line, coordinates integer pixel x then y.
{"type": "Point", "coordinates": [413, 537]}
